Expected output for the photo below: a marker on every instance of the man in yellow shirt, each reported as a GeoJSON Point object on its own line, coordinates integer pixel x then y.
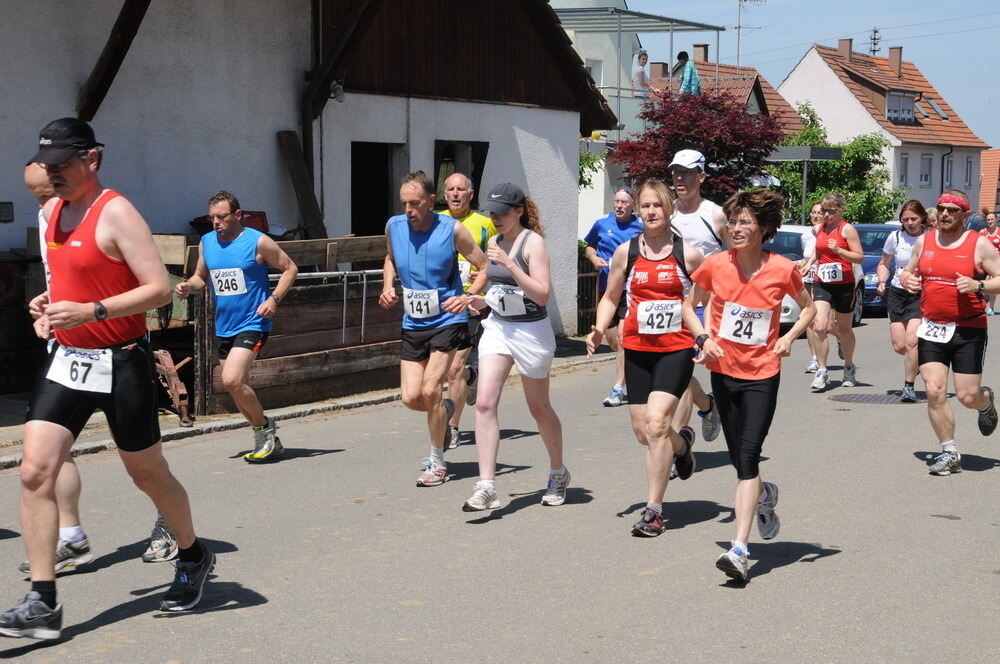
{"type": "Point", "coordinates": [458, 191]}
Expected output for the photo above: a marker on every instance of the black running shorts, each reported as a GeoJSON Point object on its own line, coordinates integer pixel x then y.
{"type": "Point", "coordinates": [647, 372]}
{"type": "Point", "coordinates": [250, 339]}
{"type": "Point", "coordinates": [964, 353]}
{"type": "Point", "coordinates": [130, 406]}
{"type": "Point", "coordinates": [418, 344]}
{"type": "Point", "coordinates": [902, 305]}
{"type": "Point", "coordinates": [840, 296]}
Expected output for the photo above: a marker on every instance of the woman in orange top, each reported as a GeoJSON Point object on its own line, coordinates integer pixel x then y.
{"type": "Point", "coordinates": [652, 269]}
{"type": "Point", "coordinates": [744, 351]}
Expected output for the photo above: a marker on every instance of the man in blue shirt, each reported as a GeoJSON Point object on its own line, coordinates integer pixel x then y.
{"type": "Point", "coordinates": [690, 83]}
{"type": "Point", "coordinates": [606, 235]}
{"type": "Point", "coordinates": [422, 248]}
{"type": "Point", "coordinates": [235, 259]}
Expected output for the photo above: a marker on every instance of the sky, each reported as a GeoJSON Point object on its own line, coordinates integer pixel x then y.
{"type": "Point", "coordinates": [956, 44]}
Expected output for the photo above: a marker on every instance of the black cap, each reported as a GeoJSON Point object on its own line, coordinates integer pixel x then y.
{"type": "Point", "coordinates": [60, 140]}
{"type": "Point", "coordinates": [502, 198]}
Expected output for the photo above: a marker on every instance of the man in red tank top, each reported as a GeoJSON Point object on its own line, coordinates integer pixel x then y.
{"type": "Point", "coordinates": [106, 272]}
{"type": "Point", "coordinates": [945, 267]}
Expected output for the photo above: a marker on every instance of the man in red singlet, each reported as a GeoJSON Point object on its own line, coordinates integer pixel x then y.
{"type": "Point", "coordinates": [106, 273]}
{"type": "Point", "coordinates": [945, 267]}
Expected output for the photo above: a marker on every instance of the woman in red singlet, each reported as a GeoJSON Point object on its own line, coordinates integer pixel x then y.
{"type": "Point", "coordinates": [746, 285]}
{"type": "Point", "coordinates": [992, 233]}
{"type": "Point", "coordinates": [652, 269]}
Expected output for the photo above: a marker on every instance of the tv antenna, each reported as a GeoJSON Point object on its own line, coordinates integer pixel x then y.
{"type": "Point", "coordinates": [739, 23]}
{"type": "Point", "coordinates": [873, 40]}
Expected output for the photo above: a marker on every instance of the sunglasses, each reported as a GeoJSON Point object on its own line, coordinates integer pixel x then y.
{"type": "Point", "coordinates": [830, 210]}
{"type": "Point", "coordinates": [950, 209]}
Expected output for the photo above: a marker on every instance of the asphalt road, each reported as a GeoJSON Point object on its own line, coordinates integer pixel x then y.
{"type": "Point", "coordinates": [334, 554]}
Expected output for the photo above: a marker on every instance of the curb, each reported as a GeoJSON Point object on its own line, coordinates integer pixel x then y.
{"type": "Point", "coordinates": [287, 413]}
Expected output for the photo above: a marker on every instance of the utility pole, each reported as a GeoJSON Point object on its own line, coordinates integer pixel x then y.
{"type": "Point", "coordinates": [739, 24]}
{"type": "Point", "coordinates": [873, 40]}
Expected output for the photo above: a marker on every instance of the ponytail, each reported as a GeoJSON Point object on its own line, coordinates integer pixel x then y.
{"type": "Point", "coordinates": [529, 218]}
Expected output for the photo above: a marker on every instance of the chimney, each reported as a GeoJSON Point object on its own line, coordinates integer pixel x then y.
{"type": "Point", "coordinates": [658, 70]}
{"type": "Point", "coordinates": [700, 52]}
{"type": "Point", "coordinates": [844, 48]}
{"type": "Point", "coordinates": [896, 60]}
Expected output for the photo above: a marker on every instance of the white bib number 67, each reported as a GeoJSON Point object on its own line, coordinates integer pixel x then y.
{"type": "Point", "coordinates": [83, 369]}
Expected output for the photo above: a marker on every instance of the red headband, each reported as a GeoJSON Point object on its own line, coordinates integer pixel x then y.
{"type": "Point", "coordinates": [954, 200]}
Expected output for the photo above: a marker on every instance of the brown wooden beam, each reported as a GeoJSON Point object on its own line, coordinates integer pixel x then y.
{"type": "Point", "coordinates": [104, 72]}
{"type": "Point", "coordinates": [302, 182]}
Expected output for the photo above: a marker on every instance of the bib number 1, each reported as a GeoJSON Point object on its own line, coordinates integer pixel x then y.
{"type": "Point", "coordinates": [506, 300]}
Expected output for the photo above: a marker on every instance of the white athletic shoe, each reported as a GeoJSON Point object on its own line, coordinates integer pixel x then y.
{"type": "Point", "coordinates": [768, 523]}
{"type": "Point", "coordinates": [820, 381]}
{"type": "Point", "coordinates": [555, 492]}
{"type": "Point", "coordinates": [483, 498]}
{"type": "Point", "coordinates": [734, 563]}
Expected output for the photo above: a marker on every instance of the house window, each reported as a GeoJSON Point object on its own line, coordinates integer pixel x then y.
{"type": "Point", "coordinates": [899, 107]}
{"type": "Point", "coordinates": [937, 108]}
{"type": "Point", "coordinates": [596, 70]}
{"type": "Point", "coordinates": [926, 164]}
{"type": "Point", "coordinates": [968, 171]}
{"type": "Point", "coordinates": [947, 171]}
{"type": "Point", "coordinates": [904, 169]}
{"type": "Point", "coordinates": [468, 157]}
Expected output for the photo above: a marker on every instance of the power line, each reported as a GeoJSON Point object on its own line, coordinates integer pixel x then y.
{"type": "Point", "coordinates": [952, 32]}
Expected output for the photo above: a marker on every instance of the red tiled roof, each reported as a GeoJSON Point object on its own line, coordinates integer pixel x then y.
{"type": "Point", "coordinates": [989, 175]}
{"type": "Point", "coordinates": [740, 82]}
{"type": "Point", "coordinates": [930, 128]}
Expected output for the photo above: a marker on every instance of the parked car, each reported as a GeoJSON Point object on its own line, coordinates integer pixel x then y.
{"type": "Point", "coordinates": [873, 238]}
{"type": "Point", "coordinates": [788, 243]}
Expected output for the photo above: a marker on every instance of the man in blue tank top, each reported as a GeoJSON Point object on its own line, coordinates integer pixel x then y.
{"type": "Point", "coordinates": [235, 259]}
{"type": "Point", "coordinates": [422, 249]}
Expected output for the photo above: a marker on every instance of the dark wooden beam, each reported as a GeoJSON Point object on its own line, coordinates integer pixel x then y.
{"type": "Point", "coordinates": [104, 72]}
{"type": "Point", "coordinates": [302, 182]}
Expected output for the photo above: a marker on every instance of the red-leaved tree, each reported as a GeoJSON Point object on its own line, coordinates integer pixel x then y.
{"type": "Point", "coordinates": [734, 141]}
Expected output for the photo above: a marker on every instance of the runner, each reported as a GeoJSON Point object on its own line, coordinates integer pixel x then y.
{"type": "Point", "coordinates": [106, 273]}
{"type": "Point", "coordinates": [702, 225]}
{"type": "Point", "coordinates": [943, 268]}
{"type": "Point", "coordinates": [607, 234]}
{"type": "Point", "coordinates": [458, 192]}
{"type": "Point", "coordinates": [903, 306]}
{"type": "Point", "coordinates": [992, 233]}
{"type": "Point", "coordinates": [518, 333]}
{"type": "Point", "coordinates": [808, 249]}
{"type": "Point", "coordinates": [652, 269]}
{"type": "Point", "coordinates": [743, 352]}
{"type": "Point", "coordinates": [423, 248]}
{"type": "Point", "coordinates": [838, 247]}
{"type": "Point", "coordinates": [235, 259]}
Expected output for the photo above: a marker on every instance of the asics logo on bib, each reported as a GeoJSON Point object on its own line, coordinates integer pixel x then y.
{"type": "Point", "coordinates": [419, 295]}
{"type": "Point", "coordinates": [659, 306]}
{"type": "Point", "coordinates": [738, 312]}
{"type": "Point", "coordinates": [226, 273]}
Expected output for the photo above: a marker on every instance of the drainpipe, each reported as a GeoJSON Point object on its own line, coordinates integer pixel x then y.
{"type": "Point", "coordinates": [946, 154]}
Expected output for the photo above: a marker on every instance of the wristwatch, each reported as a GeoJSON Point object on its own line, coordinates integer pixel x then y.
{"type": "Point", "coordinates": [277, 300]}
{"type": "Point", "coordinates": [982, 287]}
{"type": "Point", "coordinates": [700, 340]}
{"type": "Point", "coordinates": [100, 312]}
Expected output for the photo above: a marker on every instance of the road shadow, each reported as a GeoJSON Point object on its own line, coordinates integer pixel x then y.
{"type": "Point", "coordinates": [293, 453]}
{"type": "Point", "coordinates": [574, 496]}
{"type": "Point", "coordinates": [690, 512]}
{"type": "Point", "coordinates": [219, 596]}
{"type": "Point", "coordinates": [569, 347]}
{"type": "Point", "coordinates": [971, 462]}
{"type": "Point", "coordinates": [463, 470]}
{"type": "Point", "coordinates": [8, 534]}
{"type": "Point", "coordinates": [134, 550]}
{"type": "Point", "coordinates": [772, 555]}
{"type": "Point", "coordinates": [514, 434]}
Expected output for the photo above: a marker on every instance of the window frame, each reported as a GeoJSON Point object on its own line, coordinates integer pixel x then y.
{"type": "Point", "coordinates": [929, 160]}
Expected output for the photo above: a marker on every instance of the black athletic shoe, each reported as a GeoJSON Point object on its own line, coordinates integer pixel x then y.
{"type": "Point", "coordinates": [650, 524]}
{"type": "Point", "coordinates": [32, 617]}
{"type": "Point", "coordinates": [189, 581]}
{"type": "Point", "coordinates": [988, 420]}
{"type": "Point", "coordinates": [685, 462]}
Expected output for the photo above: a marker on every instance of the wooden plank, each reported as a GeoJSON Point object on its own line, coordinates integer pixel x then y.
{"type": "Point", "coordinates": [306, 252]}
{"type": "Point", "coordinates": [302, 183]}
{"type": "Point", "coordinates": [369, 248]}
{"type": "Point", "coordinates": [111, 58]}
{"type": "Point", "coordinates": [328, 316]}
{"type": "Point", "coordinates": [173, 248]}
{"type": "Point", "coordinates": [191, 259]}
{"type": "Point", "coordinates": [331, 257]}
{"type": "Point", "coordinates": [283, 345]}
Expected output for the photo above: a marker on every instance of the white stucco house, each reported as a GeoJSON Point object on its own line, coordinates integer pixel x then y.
{"type": "Point", "coordinates": [204, 86]}
{"type": "Point", "coordinates": [931, 148]}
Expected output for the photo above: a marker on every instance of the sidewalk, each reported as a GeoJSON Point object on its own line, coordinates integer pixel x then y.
{"type": "Point", "coordinates": [570, 352]}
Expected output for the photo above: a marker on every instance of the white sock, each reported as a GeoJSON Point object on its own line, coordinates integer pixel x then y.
{"type": "Point", "coordinates": [561, 471]}
{"type": "Point", "coordinates": [656, 507]}
{"type": "Point", "coordinates": [742, 546]}
{"type": "Point", "coordinates": [949, 446]}
{"type": "Point", "coordinates": [437, 455]}
{"type": "Point", "coordinates": [488, 484]}
{"type": "Point", "coordinates": [72, 534]}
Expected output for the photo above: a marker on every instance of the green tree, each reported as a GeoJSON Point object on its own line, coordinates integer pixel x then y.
{"type": "Point", "coordinates": [860, 175]}
{"type": "Point", "coordinates": [590, 165]}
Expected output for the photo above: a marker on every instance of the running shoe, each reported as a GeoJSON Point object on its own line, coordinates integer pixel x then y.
{"type": "Point", "coordinates": [850, 376]}
{"type": "Point", "coordinates": [266, 444]}
{"type": "Point", "coordinates": [650, 524]}
{"type": "Point", "coordinates": [555, 491]}
{"type": "Point", "coordinates": [711, 423]}
{"type": "Point", "coordinates": [840, 350]}
{"type": "Point", "coordinates": [473, 383]}
{"type": "Point", "coordinates": [615, 398]}
{"type": "Point", "coordinates": [483, 498]}
{"type": "Point", "coordinates": [189, 582]}
{"type": "Point", "coordinates": [162, 544]}
{"type": "Point", "coordinates": [68, 554]}
{"type": "Point", "coordinates": [454, 438]}
{"type": "Point", "coordinates": [812, 366]}
{"type": "Point", "coordinates": [820, 381]}
{"type": "Point", "coordinates": [988, 419]}
{"type": "Point", "coordinates": [434, 473]}
{"type": "Point", "coordinates": [673, 471]}
{"type": "Point", "coordinates": [32, 617]}
{"type": "Point", "coordinates": [768, 523]}
{"type": "Point", "coordinates": [946, 463]}
{"type": "Point", "coordinates": [684, 462]}
{"type": "Point", "coordinates": [734, 563]}
{"type": "Point", "coordinates": [909, 395]}
{"type": "Point", "coordinates": [449, 409]}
